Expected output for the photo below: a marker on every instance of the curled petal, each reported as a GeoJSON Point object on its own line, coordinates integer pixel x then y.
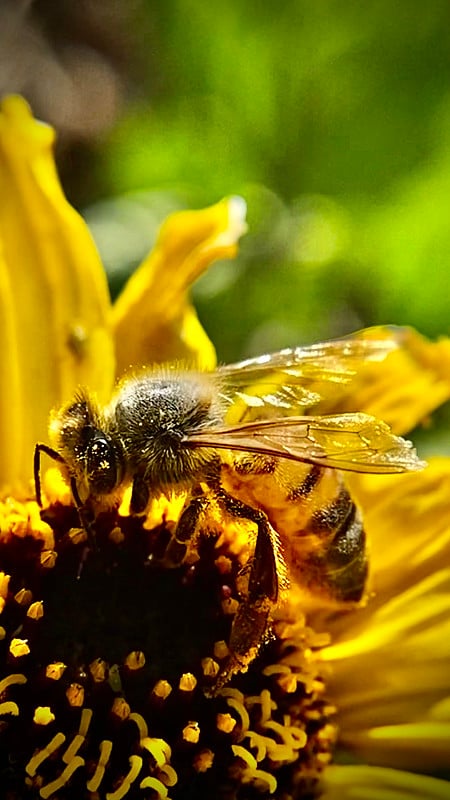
{"type": "Point", "coordinates": [406, 387]}
{"type": "Point", "coordinates": [153, 319]}
{"type": "Point", "coordinates": [54, 304]}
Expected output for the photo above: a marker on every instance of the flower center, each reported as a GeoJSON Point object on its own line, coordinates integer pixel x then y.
{"type": "Point", "coordinates": [110, 666]}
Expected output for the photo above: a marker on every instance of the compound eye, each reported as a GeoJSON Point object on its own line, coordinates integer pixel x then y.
{"type": "Point", "coordinates": [101, 465]}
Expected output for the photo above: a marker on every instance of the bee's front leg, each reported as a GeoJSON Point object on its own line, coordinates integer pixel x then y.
{"type": "Point", "coordinates": [186, 529]}
{"type": "Point", "coordinates": [140, 494]}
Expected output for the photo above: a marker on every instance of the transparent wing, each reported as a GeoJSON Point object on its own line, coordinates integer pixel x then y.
{"type": "Point", "coordinates": [301, 376]}
{"type": "Point", "coordinates": [352, 442]}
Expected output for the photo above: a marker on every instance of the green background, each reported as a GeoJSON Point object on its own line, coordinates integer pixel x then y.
{"type": "Point", "coordinates": [330, 117]}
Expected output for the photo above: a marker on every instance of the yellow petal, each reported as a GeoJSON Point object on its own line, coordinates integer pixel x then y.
{"type": "Point", "coordinates": [407, 518]}
{"type": "Point", "coordinates": [54, 303]}
{"type": "Point", "coordinates": [378, 783]}
{"type": "Point", "coordinates": [153, 319]}
{"type": "Point", "coordinates": [390, 660]}
{"type": "Point", "coordinates": [404, 388]}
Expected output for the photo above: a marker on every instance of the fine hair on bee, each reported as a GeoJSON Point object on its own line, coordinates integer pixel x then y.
{"type": "Point", "coordinates": [242, 435]}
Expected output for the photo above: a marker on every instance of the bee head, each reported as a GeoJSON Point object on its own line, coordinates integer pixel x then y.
{"type": "Point", "coordinates": [84, 439]}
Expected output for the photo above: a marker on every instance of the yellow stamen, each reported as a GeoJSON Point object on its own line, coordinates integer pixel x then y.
{"type": "Point", "coordinates": [43, 715]}
{"type": "Point", "coordinates": [168, 775]}
{"type": "Point", "coordinates": [19, 648]}
{"type": "Point", "coordinates": [75, 695]}
{"type": "Point", "coordinates": [36, 610]}
{"type": "Point", "coordinates": [55, 671]}
{"type": "Point", "coordinates": [98, 669]}
{"type": "Point", "coordinates": [158, 748]}
{"type": "Point", "coordinates": [188, 682]}
{"type": "Point", "coordinates": [191, 732]}
{"type": "Point", "coordinates": [16, 678]}
{"type": "Point", "coordinates": [39, 757]}
{"type": "Point", "coordinates": [221, 650]}
{"type": "Point", "coordinates": [73, 748]}
{"type": "Point", "coordinates": [51, 788]}
{"type": "Point", "coordinates": [162, 689]}
{"type": "Point", "coordinates": [141, 723]}
{"type": "Point", "coordinates": [210, 667]}
{"type": "Point", "coordinates": [155, 784]}
{"type": "Point", "coordinates": [9, 708]}
{"type": "Point", "coordinates": [23, 597]}
{"type": "Point", "coordinates": [85, 721]}
{"type": "Point", "coordinates": [135, 768]}
{"type": "Point", "coordinates": [105, 752]}
{"type": "Point", "coordinates": [203, 761]}
{"type": "Point", "coordinates": [225, 723]}
{"type": "Point", "coordinates": [120, 708]}
{"type": "Point", "coordinates": [135, 660]}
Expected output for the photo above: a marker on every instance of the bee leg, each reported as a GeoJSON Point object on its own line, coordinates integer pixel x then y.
{"type": "Point", "coordinates": [49, 451]}
{"type": "Point", "coordinates": [186, 527]}
{"type": "Point", "coordinates": [140, 494]}
{"type": "Point", "coordinates": [85, 515]}
{"type": "Point", "coordinates": [252, 621]}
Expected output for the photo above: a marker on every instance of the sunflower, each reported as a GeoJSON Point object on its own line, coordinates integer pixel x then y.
{"type": "Point", "coordinates": [113, 667]}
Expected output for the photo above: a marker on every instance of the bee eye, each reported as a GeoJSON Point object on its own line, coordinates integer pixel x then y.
{"type": "Point", "coordinates": [101, 465]}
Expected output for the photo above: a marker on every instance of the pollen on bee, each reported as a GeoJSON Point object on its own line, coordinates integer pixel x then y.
{"type": "Point", "coordinates": [223, 564]}
{"type": "Point", "coordinates": [230, 606]}
{"type": "Point", "coordinates": [77, 535]}
{"type": "Point", "coordinates": [117, 535]}
{"type": "Point", "coordinates": [48, 559]}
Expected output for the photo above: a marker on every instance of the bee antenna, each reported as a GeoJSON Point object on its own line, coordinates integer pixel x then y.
{"type": "Point", "coordinates": [53, 454]}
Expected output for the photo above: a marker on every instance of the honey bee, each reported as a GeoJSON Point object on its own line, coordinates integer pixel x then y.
{"type": "Point", "coordinates": [240, 437]}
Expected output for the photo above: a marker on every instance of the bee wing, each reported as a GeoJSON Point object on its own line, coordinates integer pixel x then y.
{"type": "Point", "coordinates": [300, 376]}
{"type": "Point", "coordinates": [353, 442]}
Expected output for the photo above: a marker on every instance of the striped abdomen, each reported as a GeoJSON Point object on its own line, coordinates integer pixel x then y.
{"type": "Point", "coordinates": [320, 528]}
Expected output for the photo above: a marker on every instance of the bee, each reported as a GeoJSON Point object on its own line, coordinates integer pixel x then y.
{"type": "Point", "coordinates": [243, 437]}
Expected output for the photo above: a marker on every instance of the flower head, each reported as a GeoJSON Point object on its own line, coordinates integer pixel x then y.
{"type": "Point", "coordinates": [118, 677]}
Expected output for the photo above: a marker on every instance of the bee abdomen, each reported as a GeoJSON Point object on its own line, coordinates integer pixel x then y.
{"type": "Point", "coordinates": [340, 568]}
{"type": "Point", "coordinates": [333, 516]}
{"type": "Point", "coordinates": [307, 485]}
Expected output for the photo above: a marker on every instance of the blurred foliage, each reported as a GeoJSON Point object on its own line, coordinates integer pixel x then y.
{"type": "Point", "coordinates": [332, 119]}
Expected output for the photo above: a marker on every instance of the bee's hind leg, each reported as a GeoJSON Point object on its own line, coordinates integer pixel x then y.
{"type": "Point", "coordinates": [251, 624]}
